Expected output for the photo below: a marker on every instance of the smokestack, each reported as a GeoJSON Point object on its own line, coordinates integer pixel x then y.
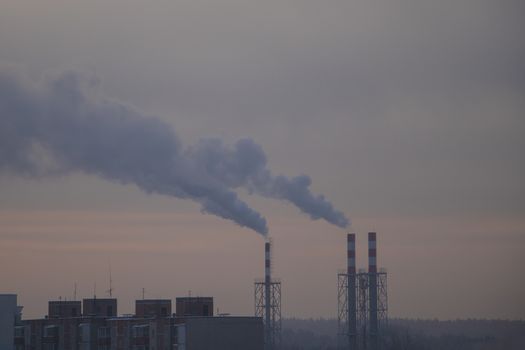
{"type": "Point", "coordinates": [267, 299]}
{"type": "Point", "coordinates": [267, 262]}
{"type": "Point", "coordinates": [372, 252]}
{"type": "Point", "coordinates": [350, 242]}
{"type": "Point", "coordinates": [372, 287]}
{"type": "Point", "coordinates": [351, 303]}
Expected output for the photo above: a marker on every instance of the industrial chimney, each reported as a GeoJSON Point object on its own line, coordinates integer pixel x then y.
{"type": "Point", "coordinates": [372, 288]}
{"type": "Point", "coordinates": [268, 302]}
{"type": "Point", "coordinates": [267, 289]}
{"type": "Point", "coordinates": [351, 303]}
{"type": "Point", "coordinates": [362, 300]}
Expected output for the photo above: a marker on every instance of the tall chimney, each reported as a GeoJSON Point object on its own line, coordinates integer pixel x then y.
{"type": "Point", "coordinates": [267, 299]}
{"type": "Point", "coordinates": [350, 243]}
{"type": "Point", "coordinates": [372, 287]}
{"type": "Point", "coordinates": [351, 303]}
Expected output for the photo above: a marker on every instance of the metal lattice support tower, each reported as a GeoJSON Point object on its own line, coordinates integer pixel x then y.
{"type": "Point", "coordinates": [347, 304]}
{"type": "Point", "coordinates": [342, 310]}
{"type": "Point", "coordinates": [382, 300]}
{"type": "Point", "coordinates": [362, 309]}
{"type": "Point", "coordinates": [364, 329]}
{"type": "Point", "coordinates": [268, 303]}
{"type": "Point", "coordinates": [275, 306]}
{"type": "Point", "coordinates": [272, 330]}
{"type": "Point", "coordinates": [373, 324]}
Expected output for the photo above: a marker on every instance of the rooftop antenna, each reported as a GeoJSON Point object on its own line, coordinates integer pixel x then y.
{"type": "Point", "coordinates": [94, 290]}
{"type": "Point", "coordinates": [110, 290]}
{"type": "Point", "coordinates": [143, 292]}
{"type": "Point", "coordinates": [75, 292]}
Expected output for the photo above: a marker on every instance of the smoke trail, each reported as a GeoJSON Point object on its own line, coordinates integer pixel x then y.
{"type": "Point", "coordinates": [62, 125]}
{"type": "Point", "coordinates": [244, 165]}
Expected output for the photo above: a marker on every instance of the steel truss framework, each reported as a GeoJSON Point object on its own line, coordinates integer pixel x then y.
{"type": "Point", "coordinates": [362, 309]}
{"type": "Point", "coordinates": [274, 328]}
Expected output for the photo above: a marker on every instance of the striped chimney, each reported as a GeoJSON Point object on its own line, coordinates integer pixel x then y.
{"type": "Point", "coordinates": [350, 243]}
{"type": "Point", "coordinates": [267, 267]}
{"type": "Point", "coordinates": [372, 252]}
{"type": "Point", "coordinates": [267, 291]}
{"type": "Point", "coordinates": [351, 297]}
{"type": "Point", "coordinates": [372, 289]}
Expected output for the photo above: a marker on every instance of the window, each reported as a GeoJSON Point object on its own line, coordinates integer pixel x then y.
{"type": "Point", "coordinates": [104, 332]}
{"type": "Point", "coordinates": [19, 332]}
{"type": "Point", "coordinates": [140, 331]}
{"type": "Point", "coordinates": [51, 331]}
{"type": "Point", "coordinates": [83, 332]}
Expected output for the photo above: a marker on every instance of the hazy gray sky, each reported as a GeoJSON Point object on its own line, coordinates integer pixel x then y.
{"type": "Point", "coordinates": [407, 115]}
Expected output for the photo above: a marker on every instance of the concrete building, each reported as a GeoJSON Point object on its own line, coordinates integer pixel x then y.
{"type": "Point", "coordinates": [142, 333]}
{"type": "Point", "coordinates": [9, 314]}
{"type": "Point", "coordinates": [153, 327]}
{"type": "Point", "coordinates": [100, 307]}
{"type": "Point", "coordinates": [221, 333]}
{"type": "Point", "coordinates": [64, 308]}
{"type": "Point", "coordinates": [194, 306]}
{"type": "Point", "coordinates": [72, 333]}
{"type": "Point", "coordinates": [152, 308]}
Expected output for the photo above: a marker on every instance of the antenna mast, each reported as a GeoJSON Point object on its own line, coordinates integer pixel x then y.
{"type": "Point", "coordinates": [110, 291]}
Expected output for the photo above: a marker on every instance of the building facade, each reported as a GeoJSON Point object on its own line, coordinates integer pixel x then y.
{"type": "Point", "coordinates": [10, 315]}
{"type": "Point", "coordinates": [194, 306]}
{"type": "Point", "coordinates": [152, 327]}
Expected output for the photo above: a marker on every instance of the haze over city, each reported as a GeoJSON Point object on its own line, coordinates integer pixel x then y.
{"type": "Point", "coordinates": [295, 120]}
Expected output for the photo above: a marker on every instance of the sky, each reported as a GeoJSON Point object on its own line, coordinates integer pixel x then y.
{"type": "Point", "coordinates": [407, 116]}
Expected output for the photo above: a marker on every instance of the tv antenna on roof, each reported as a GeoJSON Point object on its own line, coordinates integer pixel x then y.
{"type": "Point", "coordinates": [110, 290]}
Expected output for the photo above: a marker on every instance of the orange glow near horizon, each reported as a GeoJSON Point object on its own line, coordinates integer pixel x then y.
{"type": "Point", "coordinates": [43, 254]}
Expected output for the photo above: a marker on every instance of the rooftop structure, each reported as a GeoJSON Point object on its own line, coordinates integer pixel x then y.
{"type": "Point", "coordinates": [64, 308]}
{"type": "Point", "coordinates": [152, 308]}
{"type": "Point", "coordinates": [194, 306]}
{"type": "Point", "coordinates": [100, 307]}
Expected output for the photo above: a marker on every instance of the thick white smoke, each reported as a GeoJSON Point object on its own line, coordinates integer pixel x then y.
{"type": "Point", "coordinates": [62, 124]}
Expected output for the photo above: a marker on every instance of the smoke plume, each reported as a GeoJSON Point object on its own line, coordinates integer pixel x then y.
{"type": "Point", "coordinates": [63, 124]}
